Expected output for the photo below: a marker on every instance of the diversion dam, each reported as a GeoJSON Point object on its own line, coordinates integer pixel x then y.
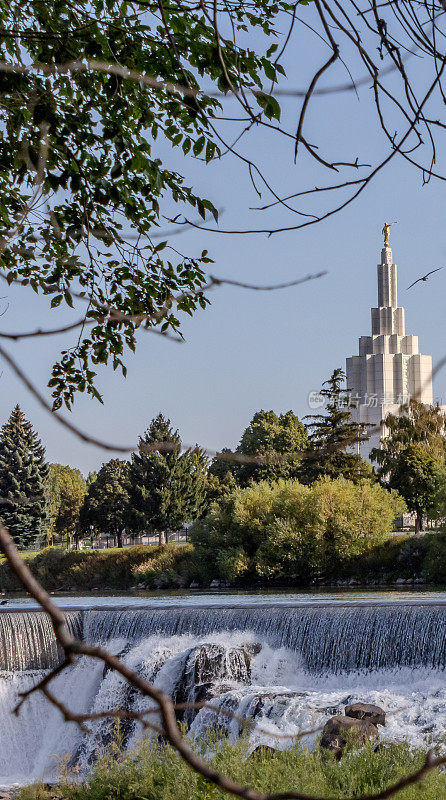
{"type": "Point", "coordinates": [288, 666]}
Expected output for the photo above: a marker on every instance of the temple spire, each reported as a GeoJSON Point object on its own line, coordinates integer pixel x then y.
{"type": "Point", "coordinates": [387, 282]}
{"type": "Point", "coordinates": [389, 368]}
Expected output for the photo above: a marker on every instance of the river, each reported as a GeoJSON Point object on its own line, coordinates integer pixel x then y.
{"type": "Point", "coordinates": [289, 661]}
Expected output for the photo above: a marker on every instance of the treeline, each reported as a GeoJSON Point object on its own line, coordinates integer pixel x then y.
{"type": "Point", "coordinates": [162, 486]}
{"type": "Point", "coordinates": [293, 494]}
{"type": "Point", "coordinates": [157, 490]}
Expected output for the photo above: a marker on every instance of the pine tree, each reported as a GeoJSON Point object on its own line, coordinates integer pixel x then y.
{"type": "Point", "coordinates": [334, 435]}
{"type": "Point", "coordinates": [167, 487]}
{"type": "Point", "coordinates": [23, 476]}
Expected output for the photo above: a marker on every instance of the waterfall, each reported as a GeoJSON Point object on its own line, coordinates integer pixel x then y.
{"type": "Point", "coordinates": [327, 639]}
{"type": "Point", "coordinates": [287, 668]}
{"type": "Point", "coordinates": [27, 640]}
{"type": "Point", "coordinates": [331, 639]}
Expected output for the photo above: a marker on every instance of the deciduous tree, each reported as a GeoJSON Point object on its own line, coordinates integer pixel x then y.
{"type": "Point", "coordinates": [66, 489]}
{"type": "Point", "coordinates": [85, 133]}
{"type": "Point", "coordinates": [106, 503]}
{"type": "Point", "coordinates": [412, 457]}
{"type": "Point", "coordinates": [278, 441]}
{"type": "Point", "coordinates": [273, 446]}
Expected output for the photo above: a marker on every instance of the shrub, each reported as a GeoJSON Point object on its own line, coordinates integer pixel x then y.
{"type": "Point", "coordinates": [82, 569]}
{"type": "Point", "coordinates": [290, 532]}
{"type": "Point", "coordinates": [352, 518]}
{"type": "Point", "coordinates": [170, 566]}
{"type": "Point", "coordinates": [435, 561]}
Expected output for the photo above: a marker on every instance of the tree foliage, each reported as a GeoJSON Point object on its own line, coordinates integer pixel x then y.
{"type": "Point", "coordinates": [412, 457]}
{"type": "Point", "coordinates": [66, 489]}
{"type": "Point", "coordinates": [23, 476]}
{"type": "Point", "coordinates": [105, 507]}
{"type": "Point", "coordinates": [167, 487]}
{"type": "Point", "coordinates": [273, 445]}
{"type": "Point", "coordinates": [88, 142]}
{"type": "Point", "coordinates": [278, 440]}
{"type": "Point", "coordinates": [288, 531]}
{"type": "Point", "coordinates": [334, 436]}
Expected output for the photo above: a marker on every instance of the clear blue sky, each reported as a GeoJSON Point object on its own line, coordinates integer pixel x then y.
{"type": "Point", "coordinates": [259, 350]}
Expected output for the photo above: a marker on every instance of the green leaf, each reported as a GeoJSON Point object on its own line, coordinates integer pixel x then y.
{"type": "Point", "coordinates": [68, 299]}
{"type": "Point", "coordinates": [198, 145]}
{"type": "Point", "coordinates": [269, 104]}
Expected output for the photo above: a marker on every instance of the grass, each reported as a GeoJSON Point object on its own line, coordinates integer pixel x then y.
{"type": "Point", "coordinates": [156, 772]}
{"type": "Point", "coordinates": [112, 568]}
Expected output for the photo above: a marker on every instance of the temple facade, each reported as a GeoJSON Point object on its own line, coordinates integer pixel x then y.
{"type": "Point", "coordinates": [389, 369]}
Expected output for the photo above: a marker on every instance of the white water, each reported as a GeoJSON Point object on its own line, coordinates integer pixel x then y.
{"type": "Point", "coordinates": [297, 680]}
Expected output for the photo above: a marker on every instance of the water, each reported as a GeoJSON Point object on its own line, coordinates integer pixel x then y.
{"type": "Point", "coordinates": [230, 599]}
{"type": "Point", "coordinates": [287, 661]}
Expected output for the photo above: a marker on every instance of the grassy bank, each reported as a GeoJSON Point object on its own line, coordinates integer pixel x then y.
{"type": "Point", "coordinates": [174, 566]}
{"type": "Point", "coordinates": [158, 773]}
{"type": "Point", "coordinates": [170, 566]}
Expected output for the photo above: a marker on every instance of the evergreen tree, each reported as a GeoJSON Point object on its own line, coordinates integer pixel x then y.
{"type": "Point", "coordinates": [218, 488]}
{"type": "Point", "coordinates": [167, 487]}
{"type": "Point", "coordinates": [23, 476]}
{"type": "Point", "coordinates": [106, 502]}
{"type": "Point", "coordinates": [333, 437]}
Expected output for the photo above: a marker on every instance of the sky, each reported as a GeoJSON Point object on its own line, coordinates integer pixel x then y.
{"type": "Point", "coordinates": [253, 350]}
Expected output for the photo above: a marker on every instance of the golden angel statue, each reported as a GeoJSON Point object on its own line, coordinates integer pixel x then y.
{"type": "Point", "coordinates": [386, 231]}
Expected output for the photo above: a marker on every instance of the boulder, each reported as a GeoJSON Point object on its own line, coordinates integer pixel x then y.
{"type": "Point", "coordinates": [340, 732]}
{"type": "Point", "coordinates": [374, 714]}
{"type": "Point", "coordinates": [205, 668]}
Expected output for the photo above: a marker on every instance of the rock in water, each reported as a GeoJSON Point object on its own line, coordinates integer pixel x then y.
{"type": "Point", "coordinates": [339, 732]}
{"type": "Point", "coordinates": [374, 714]}
{"type": "Point", "coordinates": [205, 668]}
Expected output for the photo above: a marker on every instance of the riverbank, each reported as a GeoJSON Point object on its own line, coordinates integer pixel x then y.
{"type": "Point", "coordinates": [403, 560]}
{"type": "Point", "coordinates": [158, 773]}
{"type": "Point", "coordinates": [170, 566]}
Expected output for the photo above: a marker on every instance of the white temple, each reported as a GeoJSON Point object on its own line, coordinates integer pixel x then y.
{"type": "Point", "coordinates": [389, 369]}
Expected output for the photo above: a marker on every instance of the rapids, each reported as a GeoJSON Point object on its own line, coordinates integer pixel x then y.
{"type": "Point", "coordinates": [287, 666]}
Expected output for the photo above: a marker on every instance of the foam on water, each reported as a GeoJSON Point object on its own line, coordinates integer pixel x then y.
{"type": "Point", "coordinates": [312, 662]}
